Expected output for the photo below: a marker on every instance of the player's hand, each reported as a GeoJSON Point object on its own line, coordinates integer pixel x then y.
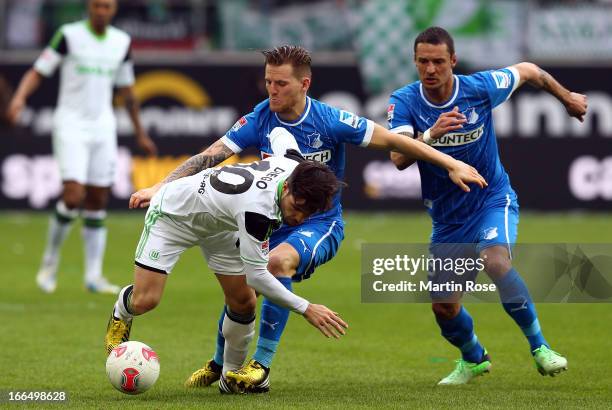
{"type": "Point", "coordinates": [145, 143]}
{"type": "Point", "coordinates": [142, 198]}
{"type": "Point", "coordinates": [463, 174]}
{"type": "Point", "coordinates": [447, 121]}
{"type": "Point", "coordinates": [14, 110]}
{"type": "Point", "coordinates": [328, 322]}
{"type": "Point", "coordinates": [576, 106]}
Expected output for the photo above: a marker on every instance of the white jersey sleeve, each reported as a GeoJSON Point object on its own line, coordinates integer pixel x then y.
{"type": "Point", "coordinates": [52, 55]}
{"type": "Point", "coordinates": [282, 140]}
{"type": "Point", "coordinates": [257, 215]}
{"type": "Point", "coordinates": [264, 283]}
{"type": "Point", "coordinates": [254, 231]}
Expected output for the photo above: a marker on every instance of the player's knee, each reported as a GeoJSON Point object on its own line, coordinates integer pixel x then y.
{"type": "Point", "coordinates": [242, 304]}
{"type": "Point", "coordinates": [497, 266]}
{"type": "Point", "coordinates": [143, 302]}
{"type": "Point", "coordinates": [445, 311]}
{"type": "Point", "coordinates": [95, 199]}
{"type": "Point", "coordinates": [73, 198]}
{"type": "Point", "coordinates": [282, 264]}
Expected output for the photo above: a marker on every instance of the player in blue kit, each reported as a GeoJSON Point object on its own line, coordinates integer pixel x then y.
{"type": "Point", "coordinates": [453, 113]}
{"type": "Point", "coordinates": [320, 131]}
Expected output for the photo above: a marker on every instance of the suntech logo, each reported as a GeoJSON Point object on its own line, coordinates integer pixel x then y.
{"type": "Point", "coordinates": [454, 139]}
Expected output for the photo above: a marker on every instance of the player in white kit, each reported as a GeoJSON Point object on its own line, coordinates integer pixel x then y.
{"type": "Point", "coordinates": [94, 57]}
{"type": "Point", "coordinates": [230, 213]}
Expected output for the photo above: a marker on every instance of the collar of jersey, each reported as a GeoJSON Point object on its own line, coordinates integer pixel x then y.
{"type": "Point", "coordinates": [447, 103]}
{"type": "Point", "coordinates": [100, 37]}
{"type": "Point", "coordinates": [302, 117]}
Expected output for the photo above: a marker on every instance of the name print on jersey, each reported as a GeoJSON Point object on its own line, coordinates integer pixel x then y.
{"type": "Point", "coordinates": [205, 175]}
{"type": "Point", "coordinates": [242, 170]}
{"type": "Point", "coordinates": [269, 177]}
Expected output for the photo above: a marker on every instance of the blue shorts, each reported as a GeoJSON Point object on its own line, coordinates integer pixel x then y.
{"type": "Point", "coordinates": [495, 224]}
{"type": "Point", "coordinates": [316, 242]}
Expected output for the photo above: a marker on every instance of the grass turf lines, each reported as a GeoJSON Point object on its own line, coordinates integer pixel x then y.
{"type": "Point", "coordinates": [391, 357]}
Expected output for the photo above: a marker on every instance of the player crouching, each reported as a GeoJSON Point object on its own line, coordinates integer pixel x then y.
{"type": "Point", "coordinates": [230, 212]}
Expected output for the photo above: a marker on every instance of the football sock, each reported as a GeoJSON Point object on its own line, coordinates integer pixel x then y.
{"type": "Point", "coordinates": [517, 303]}
{"type": "Point", "coordinates": [59, 226]}
{"type": "Point", "coordinates": [122, 305]}
{"type": "Point", "coordinates": [271, 326]}
{"type": "Point", "coordinates": [94, 237]}
{"type": "Point", "coordinates": [218, 357]}
{"type": "Point", "coordinates": [459, 331]}
{"type": "Point", "coordinates": [238, 330]}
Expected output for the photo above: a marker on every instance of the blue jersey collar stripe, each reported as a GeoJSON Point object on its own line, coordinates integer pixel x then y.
{"type": "Point", "coordinates": [446, 104]}
{"type": "Point", "coordinates": [293, 124]}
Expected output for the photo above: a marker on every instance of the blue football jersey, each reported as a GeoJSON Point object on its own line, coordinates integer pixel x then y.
{"type": "Point", "coordinates": [476, 95]}
{"type": "Point", "coordinates": [320, 132]}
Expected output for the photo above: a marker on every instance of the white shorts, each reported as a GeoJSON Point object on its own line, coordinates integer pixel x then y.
{"type": "Point", "coordinates": [87, 156]}
{"type": "Point", "coordinates": [165, 238]}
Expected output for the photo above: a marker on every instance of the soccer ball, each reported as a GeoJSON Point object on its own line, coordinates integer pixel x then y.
{"type": "Point", "coordinates": [132, 367]}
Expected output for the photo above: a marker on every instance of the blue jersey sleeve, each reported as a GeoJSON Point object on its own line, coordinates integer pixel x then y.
{"type": "Point", "coordinates": [349, 127]}
{"type": "Point", "coordinates": [498, 84]}
{"type": "Point", "coordinates": [243, 134]}
{"type": "Point", "coordinates": [398, 115]}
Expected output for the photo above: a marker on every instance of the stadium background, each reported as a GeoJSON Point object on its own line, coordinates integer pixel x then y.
{"type": "Point", "coordinates": [198, 70]}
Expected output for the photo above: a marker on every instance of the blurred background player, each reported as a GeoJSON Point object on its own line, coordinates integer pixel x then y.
{"type": "Point", "coordinates": [454, 114]}
{"type": "Point", "coordinates": [320, 131]}
{"type": "Point", "coordinates": [94, 57]}
{"type": "Point", "coordinates": [230, 212]}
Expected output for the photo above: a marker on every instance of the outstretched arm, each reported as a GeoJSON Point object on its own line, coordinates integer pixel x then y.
{"type": "Point", "coordinates": [459, 172]}
{"type": "Point", "coordinates": [327, 321]}
{"type": "Point", "coordinates": [210, 157]}
{"type": "Point", "coordinates": [575, 104]}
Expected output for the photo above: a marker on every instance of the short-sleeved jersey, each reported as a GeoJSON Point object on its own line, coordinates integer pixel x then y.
{"type": "Point", "coordinates": [476, 95]}
{"type": "Point", "coordinates": [320, 132]}
{"type": "Point", "coordinates": [91, 64]}
{"type": "Point", "coordinates": [239, 197]}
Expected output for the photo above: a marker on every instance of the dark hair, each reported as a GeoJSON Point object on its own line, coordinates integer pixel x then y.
{"type": "Point", "coordinates": [436, 35]}
{"type": "Point", "coordinates": [297, 56]}
{"type": "Point", "coordinates": [315, 184]}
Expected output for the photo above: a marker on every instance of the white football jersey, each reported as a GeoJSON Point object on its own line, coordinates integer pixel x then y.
{"type": "Point", "coordinates": [238, 197]}
{"type": "Point", "coordinates": [91, 65]}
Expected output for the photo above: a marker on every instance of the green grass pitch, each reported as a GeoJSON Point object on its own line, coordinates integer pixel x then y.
{"type": "Point", "coordinates": [391, 357]}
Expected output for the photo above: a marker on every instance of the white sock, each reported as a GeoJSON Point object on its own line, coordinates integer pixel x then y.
{"type": "Point", "coordinates": [94, 237]}
{"type": "Point", "coordinates": [59, 227]}
{"type": "Point", "coordinates": [122, 310]}
{"type": "Point", "coordinates": [237, 338]}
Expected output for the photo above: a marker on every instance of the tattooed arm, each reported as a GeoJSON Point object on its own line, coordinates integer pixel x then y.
{"type": "Point", "coordinates": [210, 157]}
{"type": "Point", "coordinates": [575, 104]}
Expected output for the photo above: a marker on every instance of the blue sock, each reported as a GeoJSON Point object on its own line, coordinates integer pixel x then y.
{"type": "Point", "coordinates": [271, 326]}
{"type": "Point", "coordinates": [459, 331]}
{"type": "Point", "coordinates": [517, 303]}
{"type": "Point", "coordinates": [218, 357]}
